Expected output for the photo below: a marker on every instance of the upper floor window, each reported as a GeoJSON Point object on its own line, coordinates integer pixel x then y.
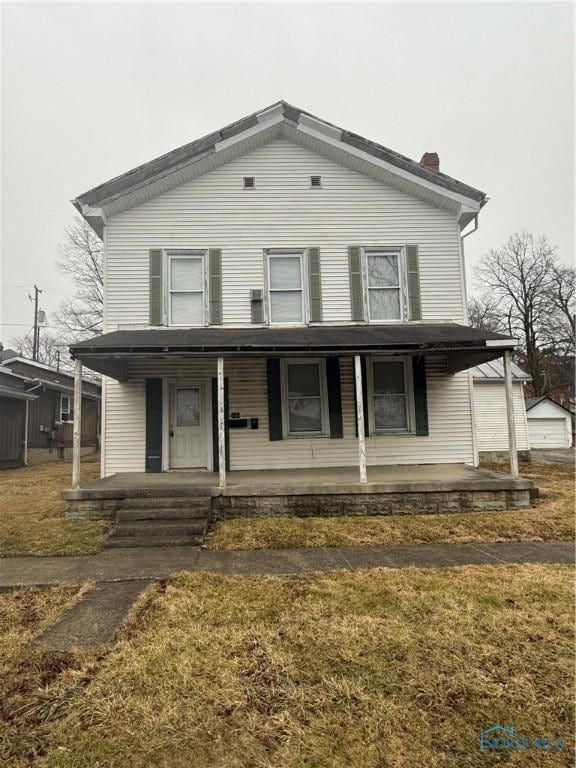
{"type": "Point", "coordinates": [285, 287]}
{"type": "Point", "coordinates": [383, 284]}
{"type": "Point", "coordinates": [66, 413]}
{"type": "Point", "coordinates": [186, 288]}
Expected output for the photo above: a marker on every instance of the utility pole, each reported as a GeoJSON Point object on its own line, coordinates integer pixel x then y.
{"type": "Point", "coordinates": [36, 345]}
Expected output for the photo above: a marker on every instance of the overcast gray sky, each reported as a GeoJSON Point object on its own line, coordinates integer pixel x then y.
{"type": "Point", "coordinates": [90, 90]}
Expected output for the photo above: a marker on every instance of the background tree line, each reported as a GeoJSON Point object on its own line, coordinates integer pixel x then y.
{"type": "Point", "coordinates": [527, 293]}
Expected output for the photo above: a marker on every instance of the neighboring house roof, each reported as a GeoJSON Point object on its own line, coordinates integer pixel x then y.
{"type": "Point", "coordinates": [13, 385]}
{"type": "Point", "coordinates": [280, 120]}
{"type": "Point", "coordinates": [46, 374]}
{"type": "Point", "coordinates": [414, 336]}
{"type": "Point", "coordinates": [494, 371]}
{"type": "Point", "coordinates": [532, 402]}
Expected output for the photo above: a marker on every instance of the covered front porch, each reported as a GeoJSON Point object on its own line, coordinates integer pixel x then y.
{"type": "Point", "coordinates": [398, 489]}
{"type": "Point", "coordinates": [237, 380]}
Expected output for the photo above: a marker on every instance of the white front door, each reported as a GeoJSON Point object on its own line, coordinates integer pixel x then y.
{"type": "Point", "coordinates": [187, 427]}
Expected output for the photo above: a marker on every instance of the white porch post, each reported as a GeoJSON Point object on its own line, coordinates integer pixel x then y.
{"type": "Point", "coordinates": [360, 419]}
{"type": "Point", "coordinates": [221, 428]}
{"type": "Point", "coordinates": [26, 420]}
{"type": "Point", "coordinates": [77, 428]}
{"type": "Point", "coordinates": [510, 414]}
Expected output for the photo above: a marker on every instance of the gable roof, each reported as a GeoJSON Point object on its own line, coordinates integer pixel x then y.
{"type": "Point", "coordinates": [494, 371]}
{"type": "Point", "coordinates": [247, 134]}
{"type": "Point", "coordinates": [532, 402]}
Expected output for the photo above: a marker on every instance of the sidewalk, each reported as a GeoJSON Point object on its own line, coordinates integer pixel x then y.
{"type": "Point", "coordinates": [160, 562]}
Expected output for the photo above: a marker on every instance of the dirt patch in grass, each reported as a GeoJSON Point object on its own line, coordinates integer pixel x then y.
{"type": "Point", "coordinates": [380, 668]}
{"type": "Point", "coordinates": [32, 512]}
{"type": "Point", "coordinates": [551, 517]}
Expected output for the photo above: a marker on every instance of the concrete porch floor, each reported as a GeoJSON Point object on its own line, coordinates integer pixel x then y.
{"type": "Point", "coordinates": [333, 480]}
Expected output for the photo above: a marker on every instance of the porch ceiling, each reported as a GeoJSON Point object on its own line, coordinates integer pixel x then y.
{"type": "Point", "coordinates": [463, 346]}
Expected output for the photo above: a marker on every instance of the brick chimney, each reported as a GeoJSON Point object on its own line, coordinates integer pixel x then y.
{"type": "Point", "coordinates": [431, 161]}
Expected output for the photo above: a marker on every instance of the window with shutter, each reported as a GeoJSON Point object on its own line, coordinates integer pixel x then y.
{"type": "Point", "coordinates": [285, 289]}
{"type": "Point", "coordinates": [384, 285]}
{"type": "Point", "coordinates": [186, 288]}
{"type": "Point", "coordinates": [391, 406]}
{"type": "Point", "coordinates": [304, 398]}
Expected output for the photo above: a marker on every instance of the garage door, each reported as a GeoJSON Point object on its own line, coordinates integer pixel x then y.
{"type": "Point", "coordinates": [548, 433]}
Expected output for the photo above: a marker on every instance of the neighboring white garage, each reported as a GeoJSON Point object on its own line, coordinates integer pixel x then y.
{"type": "Point", "coordinates": [549, 424]}
{"type": "Point", "coordinates": [490, 408]}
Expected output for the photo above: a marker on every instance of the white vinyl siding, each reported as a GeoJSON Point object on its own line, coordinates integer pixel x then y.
{"type": "Point", "coordinates": [492, 419]}
{"type": "Point", "coordinates": [449, 441]}
{"type": "Point", "coordinates": [281, 212]}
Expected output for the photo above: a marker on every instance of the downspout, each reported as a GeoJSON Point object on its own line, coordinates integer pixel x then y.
{"type": "Point", "coordinates": [462, 237]}
{"type": "Point", "coordinates": [26, 424]}
{"type": "Point", "coordinates": [475, 451]}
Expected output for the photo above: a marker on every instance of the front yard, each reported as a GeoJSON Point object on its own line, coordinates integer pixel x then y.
{"type": "Point", "coordinates": [375, 668]}
{"type": "Point", "coordinates": [32, 519]}
{"type": "Point", "coordinates": [32, 512]}
{"type": "Point", "coordinates": [551, 517]}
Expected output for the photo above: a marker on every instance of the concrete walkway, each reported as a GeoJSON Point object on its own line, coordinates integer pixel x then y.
{"type": "Point", "coordinates": [160, 562]}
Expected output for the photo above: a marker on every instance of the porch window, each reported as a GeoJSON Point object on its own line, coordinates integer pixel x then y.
{"type": "Point", "coordinates": [384, 281]}
{"type": "Point", "coordinates": [185, 288]}
{"type": "Point", "coordinates": [285, 292]}
{"type": "Point", "coordinates": [391, 396]}
{"type": "Point", "coordinates": [66, 412]}
{"type": "Point", "coordinates": [305, 398]}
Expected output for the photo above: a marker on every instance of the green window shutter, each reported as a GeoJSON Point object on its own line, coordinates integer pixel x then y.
{"type": "Point", "coordinates": [413, 282]}
{"type": "Point", "coordinates": [356, 292]}
{"type": "Point", "coordinates": [215, 285]}
{"type": "Point", "coordinates": [257, 306]}
{"type": "Point", "coordinates": [420, 394]}
{"type": "Point", "coordinates": [215, 449]}
{"type": "Point", "coordinates": [274, 398]}
{"type": "Point", "coordinates": [363, 366]}
{"type": "Point", "coordinates": [155, 276]}
{"type": "Point", "coordinates": [314, 285]}
{"type": "Point", "coordinates": [334, 397]}
{"type": "Point", "coordinates": [153, 458]}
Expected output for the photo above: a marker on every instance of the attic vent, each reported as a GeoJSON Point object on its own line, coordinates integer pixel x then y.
{"type": "Point", "coordinates": [315, 181]}
{"type": "Point", "coordinates": [249, 182]}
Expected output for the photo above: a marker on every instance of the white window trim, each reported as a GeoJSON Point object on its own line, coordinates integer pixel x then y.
{"type": "Point", "coordinates": [69, 411]}
{"type": "Point", "coordinates": [401, 252]}
{"type": "Point", "coordinates": [181, 253]}
{"type": "Point", "coordinates": [408, 380]}
{"type": "Point", "coordinates": [324, 414]}
{"type": "Point", "coordinates": [301, 253]}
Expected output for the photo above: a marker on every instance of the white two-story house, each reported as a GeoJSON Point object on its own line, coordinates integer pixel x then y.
{"type": "Point", "coordinates": [283, 294]}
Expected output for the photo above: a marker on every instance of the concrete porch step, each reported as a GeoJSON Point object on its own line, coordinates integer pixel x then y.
{"type": "Point", "coordinates": [154, 541]}
{"type": "Point", "coordinates": [161, 501]}
{"type": "Point", "coordinates": [162, 513]}
{"type": "Point", "coordinates": [151, 528]}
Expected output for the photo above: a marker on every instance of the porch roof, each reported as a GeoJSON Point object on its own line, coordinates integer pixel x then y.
{"type": "Point", "coordinates": [470, 346]}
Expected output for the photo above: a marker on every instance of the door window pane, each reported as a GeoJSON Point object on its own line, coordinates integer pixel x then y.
{"type": "Point", "coordinates": [187, 407]}
{"type": "Point", "coordinates": [187, 308]}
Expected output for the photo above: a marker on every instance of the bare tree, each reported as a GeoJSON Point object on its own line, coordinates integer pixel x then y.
{"type": "Point", "coordinates": [52, 350]}
{"type": "Point", "coordinates": [81, 257]}
{"type": "Point", "coordinates": [562, 298]}
{"type": "Point", "coordinates": [520, 276]}
{"type": "Point", "coordinates": [484, 312]}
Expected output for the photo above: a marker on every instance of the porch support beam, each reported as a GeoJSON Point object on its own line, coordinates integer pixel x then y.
{"type": "Point", "coordinates": [513, 453]}
{"type": "Point", "coordinates": [77, 428]}
{"type": "Point", "coordinates": [221, 426]}
{"type": "Point", "coordinates": [360, 419]}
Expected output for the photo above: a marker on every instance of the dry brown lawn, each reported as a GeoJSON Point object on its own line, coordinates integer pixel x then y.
{"type": "Point", "coordinates": [32, 512]}
{"type": "Point", "coordinates": [373, 669]}
{"type": "Point", "coordinates": [551, 517]}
